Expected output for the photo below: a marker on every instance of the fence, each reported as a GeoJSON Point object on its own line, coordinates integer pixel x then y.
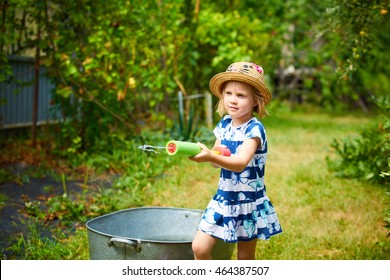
{"type": "Point", "coordinates": [16, 95]}
{"type": "Point", "coordinates": [208, 104]}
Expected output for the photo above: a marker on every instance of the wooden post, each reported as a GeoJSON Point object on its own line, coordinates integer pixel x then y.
{"type": "Point", "coordinates": [36, 90]}
{"type": "Point", "coordinates": [208, 107]}
{"type": "Point", "coordinates": [181, 106]}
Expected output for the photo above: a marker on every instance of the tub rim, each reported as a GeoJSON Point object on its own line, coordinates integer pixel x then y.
{"type": "Point", "coordinates": [87, 224]}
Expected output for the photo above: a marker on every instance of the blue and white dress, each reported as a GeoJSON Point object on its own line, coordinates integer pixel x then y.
{"type": "Point", "coordinates": [241, 209]}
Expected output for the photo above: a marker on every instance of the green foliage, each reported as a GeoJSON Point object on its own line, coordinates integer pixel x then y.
{"type": "Point", "coordinates": [117, 65]}
{"type": "Point", "coordinates": [66, 209]}
{"type": "Point", "coordinates": [355, 53]}
{"type": "Point", "coordinates": [3, 200]}
{"type": "Point", "coordinates": [34, 247]}
{"type": "Point", "coordinates": [5, 176]}
{"type": "Point", "coordinates": [134, 173]}
{"type": "Point", "coordinates": [387, 215]}
{"type": "Point", "coordinates": [366, 156]}
{"type": "Point", "coordinates": [136, 178]}
{"type": "Point", "coordinates": [135, 170]}
{"type": "Point", "coordinates": [43, 243]}
{"type": "Point", "coordinates": [358, 23]}
{"type": "Point", "coordinates": [185, 129]}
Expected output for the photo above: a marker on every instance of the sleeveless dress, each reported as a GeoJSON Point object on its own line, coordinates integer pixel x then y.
{"type": "Point", "coordinates": [241, 209]}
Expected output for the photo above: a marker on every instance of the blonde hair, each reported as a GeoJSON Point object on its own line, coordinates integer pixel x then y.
{"type": "Point", "coordinates": [259, 108]}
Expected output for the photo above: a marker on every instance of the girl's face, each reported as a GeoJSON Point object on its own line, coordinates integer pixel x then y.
{"type": "Point", "coordinates": [238, 100]}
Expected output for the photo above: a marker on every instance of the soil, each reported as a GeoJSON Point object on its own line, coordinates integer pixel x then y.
{"type": "Point", "coordinates": [15, 196]}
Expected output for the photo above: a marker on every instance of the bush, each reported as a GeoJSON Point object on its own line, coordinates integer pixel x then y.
{"type": "Point", "coordinates": [387, 216]}
{"type": "Point", "coordinates": [366, 156]}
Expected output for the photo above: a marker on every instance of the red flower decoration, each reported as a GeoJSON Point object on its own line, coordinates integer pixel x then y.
{"type": "Point", "coordinates": [258, 68]}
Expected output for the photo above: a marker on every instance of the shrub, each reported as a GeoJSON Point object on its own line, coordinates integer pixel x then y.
{"type": "Point", "coordinates": [368, 155]}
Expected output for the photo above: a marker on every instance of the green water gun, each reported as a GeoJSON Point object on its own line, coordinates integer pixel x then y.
{"type": "Point", "coordinates": [175, 147]}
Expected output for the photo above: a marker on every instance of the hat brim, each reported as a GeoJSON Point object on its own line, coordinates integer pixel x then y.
{"type": "Point", "coordinates": [216, 84]}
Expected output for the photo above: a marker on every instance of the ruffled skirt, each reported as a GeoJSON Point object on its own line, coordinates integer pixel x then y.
{"type": "Point", "coordinates": [240, 217]}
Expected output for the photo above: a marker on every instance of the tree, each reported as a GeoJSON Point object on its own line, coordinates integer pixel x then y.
{"type": "Point", "coordinates": [364, 65]}
{"type": "Point", "coordinates": [119, 64]}
{"type": "Point", "coordinates": [359, 29]}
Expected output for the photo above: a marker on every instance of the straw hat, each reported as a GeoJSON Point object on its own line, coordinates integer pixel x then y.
{"type": "Point", "coordinates": [246, 72]}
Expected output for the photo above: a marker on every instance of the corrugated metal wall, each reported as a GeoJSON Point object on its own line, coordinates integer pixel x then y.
{"type": "Point", "coordinates": [17, 111]}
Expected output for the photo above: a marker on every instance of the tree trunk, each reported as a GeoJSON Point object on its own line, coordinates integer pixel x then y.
{"type": "Point", "coordinates": [36, 91]}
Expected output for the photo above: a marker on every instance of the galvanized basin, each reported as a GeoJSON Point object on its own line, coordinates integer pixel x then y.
{"type": "Point", "coordinates": [148, 233]}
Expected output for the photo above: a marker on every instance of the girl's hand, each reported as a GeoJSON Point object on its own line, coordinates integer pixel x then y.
{"type": "Point", "coordinates": [236, 163]}
{"type": "Point", "coordinates": [204, 156]}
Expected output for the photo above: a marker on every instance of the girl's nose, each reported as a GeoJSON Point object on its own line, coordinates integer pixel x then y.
{"type": "Point", "coordinates": [233, 99]}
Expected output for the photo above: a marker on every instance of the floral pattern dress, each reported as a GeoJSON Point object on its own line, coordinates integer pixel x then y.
{"type": "Point", "coordinates": [241, 209]}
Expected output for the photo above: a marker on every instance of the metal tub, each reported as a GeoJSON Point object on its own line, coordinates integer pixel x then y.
{"type": "Point", "coordinates": [148, 233]}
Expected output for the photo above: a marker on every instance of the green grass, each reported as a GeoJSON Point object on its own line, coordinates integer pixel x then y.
{"type": "Point", "coordinates": [323, 216]}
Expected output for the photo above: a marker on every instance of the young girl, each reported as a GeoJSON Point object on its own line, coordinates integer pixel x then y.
{"type": "Point", "coordinates": [240, 212]}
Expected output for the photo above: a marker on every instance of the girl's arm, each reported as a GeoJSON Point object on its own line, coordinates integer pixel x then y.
{"type": "Point", "coordinates": [236, 163]}
{"type": "Point", "coordinates": [216, 144]}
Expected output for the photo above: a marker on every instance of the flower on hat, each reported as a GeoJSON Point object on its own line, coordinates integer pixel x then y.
{"type": "Point", "coordinates": [258, 68]}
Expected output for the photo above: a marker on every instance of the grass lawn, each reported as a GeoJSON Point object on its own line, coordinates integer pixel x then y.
{"type": "Point", "coordinates": [322, 216]}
